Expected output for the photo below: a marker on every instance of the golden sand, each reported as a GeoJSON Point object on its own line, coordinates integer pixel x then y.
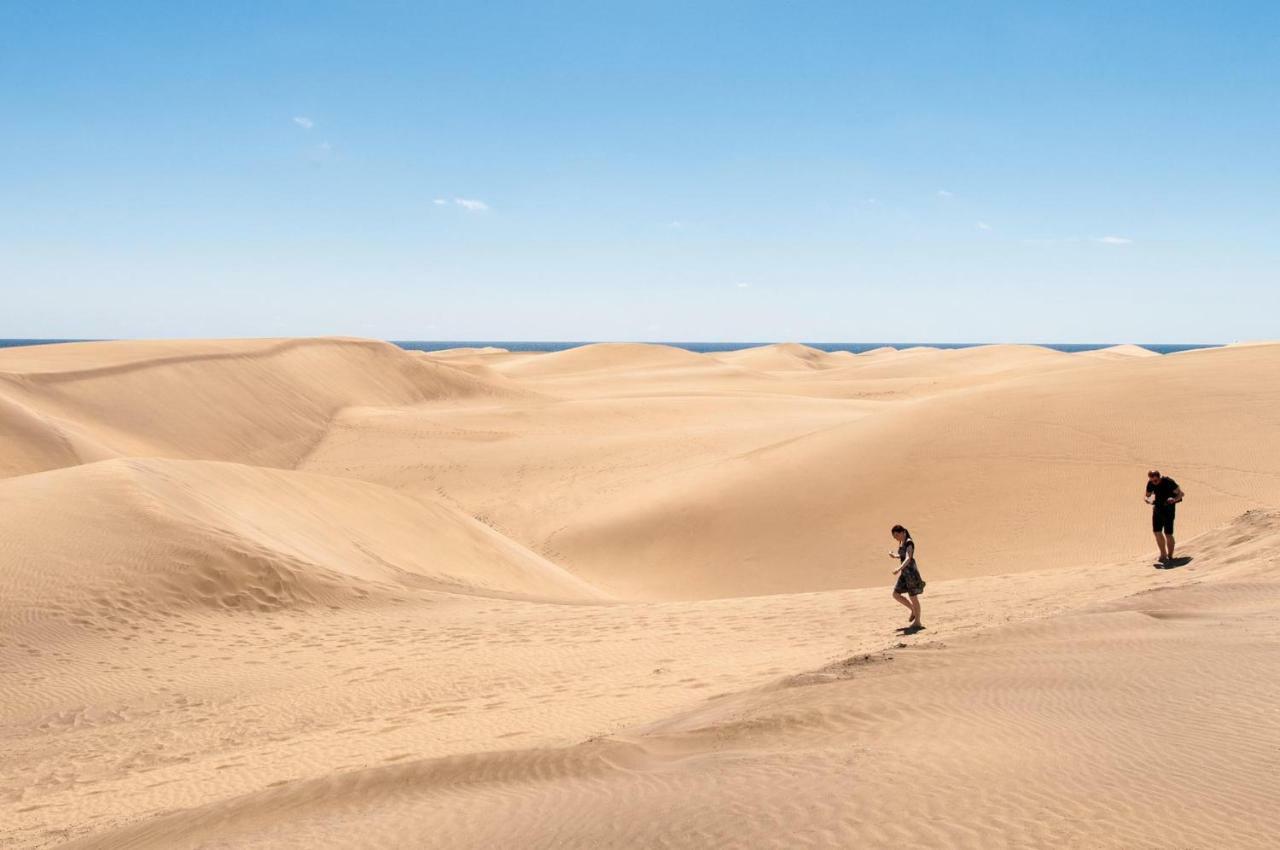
{"type": "Point", "coordinates": [330, 593]}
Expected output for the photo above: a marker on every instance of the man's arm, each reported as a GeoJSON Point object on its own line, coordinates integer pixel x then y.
{"type": "Point", "coordinates": [1177, 496]}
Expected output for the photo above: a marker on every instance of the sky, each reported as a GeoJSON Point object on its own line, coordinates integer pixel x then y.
{"type": "Point", "coordinates": [691, 171]}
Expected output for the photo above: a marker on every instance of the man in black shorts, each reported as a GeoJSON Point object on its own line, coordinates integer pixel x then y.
{"type": "Point", "coordinates": [1163, 494]}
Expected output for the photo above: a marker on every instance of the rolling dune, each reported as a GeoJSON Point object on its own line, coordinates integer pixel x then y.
{"type": "Point", "coordinates": [262, 402]}
{"type": "Point", "coordinates": [146, 537]}
{"type": "Point", "coordinates": [1081, 729]}
{"type": "Point", "coordinates": [308, 593]}
{"type": "Point", "coordinates": [780, 357]}
{"type": "Point", "coordinates": [1042, 467]}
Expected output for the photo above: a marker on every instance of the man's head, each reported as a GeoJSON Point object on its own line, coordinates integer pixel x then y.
{"type": "Point", "coordinates": [1154, 476]}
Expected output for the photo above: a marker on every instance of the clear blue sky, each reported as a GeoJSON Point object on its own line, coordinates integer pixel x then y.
{"type": "Point", "coordinates": [843, 171]}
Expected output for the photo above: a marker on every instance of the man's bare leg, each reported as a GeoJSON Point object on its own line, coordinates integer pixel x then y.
{"type": "Point", "coordinates": [1164, 555]}
{"type": "Point", "coordinates": [1168, 538]}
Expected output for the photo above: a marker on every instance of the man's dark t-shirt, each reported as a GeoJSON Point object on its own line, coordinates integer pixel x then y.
{"type": "Point", "coordinates": [1163, 492]}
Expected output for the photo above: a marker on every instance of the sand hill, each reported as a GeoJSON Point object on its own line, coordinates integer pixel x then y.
{"type": "Point", "coordinates": [261, 402]}
{"type": "Point", "coordinates": [781, 357]}
{"type": "Point", "coordinates": [332, 593]}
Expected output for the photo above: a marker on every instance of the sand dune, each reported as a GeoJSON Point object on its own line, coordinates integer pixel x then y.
{"type": "Point", "coordinates": [148, 537]}
{"type": "Point", "coordinates": [779, 357]}
{"type": "Point", "coordinates": [796, 512]}
{"type": "Point", "coordinates": [975, 361]}
{"type": "Point", "coordinates": [263, 402]}
{"type": "Point", "coordinates": [467, 352]}
{"type": "Point", "coordinates": [1115, 351]}
{"type": "Point", "coordinates": [333, 593]}
{"type": "Point", "coordinates": [1046, 733]}
{"type": "Point", "coordinates": [606, 356]}
{"type": "Point", "coordinates": [621, 369]}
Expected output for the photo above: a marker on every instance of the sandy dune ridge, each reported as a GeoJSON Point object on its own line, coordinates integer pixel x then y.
{"type": "Point", "coordinates": [334, 593]}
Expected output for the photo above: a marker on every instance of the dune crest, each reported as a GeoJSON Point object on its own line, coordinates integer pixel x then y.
{"type": "Point", "coordinates": [779, 357]}
{"type": "Point", "coordinates": [604, 357]}
{"type": "Point", "coordinates": [1120, 351]}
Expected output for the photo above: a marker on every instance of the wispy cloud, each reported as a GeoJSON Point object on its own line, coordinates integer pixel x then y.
{"type": "Point", "coordinates": [744, 286]}
{"type": "Point", "coordinates": [982, 225]}
{"type": "Point", "coordinates": [471, 205]}
{"type": "Point", "coordinates": [304, 122]}
{"type": "Point", "coordinates": [440, 202]}
{"type": "Point", "coordinates": [321, 152]}
{"type": "Point", "coordinates": [943, 193]}
{"type": "Point", "coordinates": [676, 224]}
{"type": "Point", "coordinates": [1113, 240]}
{"type": "Point", "coordinates": [1052, 240]}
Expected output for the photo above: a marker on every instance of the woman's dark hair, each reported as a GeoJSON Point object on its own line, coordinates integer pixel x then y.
{"type": "Point", "coordinates": [898, 529]}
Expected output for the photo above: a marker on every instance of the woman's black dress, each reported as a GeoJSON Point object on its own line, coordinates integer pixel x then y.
{"type": "Point", "coordinates": [909, 580]}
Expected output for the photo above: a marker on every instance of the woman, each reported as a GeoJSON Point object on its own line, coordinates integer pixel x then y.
{"type": "Point", "coordinates": [909, 581]}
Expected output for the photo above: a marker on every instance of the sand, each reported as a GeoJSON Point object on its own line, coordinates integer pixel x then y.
{"type": "Point", "coordinates": [329, 593]}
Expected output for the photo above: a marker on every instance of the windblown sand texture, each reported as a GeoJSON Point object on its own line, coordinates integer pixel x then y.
{"type": "Point", "coordinates": [330, 593]}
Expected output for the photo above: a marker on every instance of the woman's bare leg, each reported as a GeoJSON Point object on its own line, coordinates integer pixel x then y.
{"type": "Point", "coordinates": [915, 610]}
{"type": "Point", "coordinates": [903, 600]}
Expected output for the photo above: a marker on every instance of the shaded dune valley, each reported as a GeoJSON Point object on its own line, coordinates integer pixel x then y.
{"type": "Point", "coordinates": [333, 593]}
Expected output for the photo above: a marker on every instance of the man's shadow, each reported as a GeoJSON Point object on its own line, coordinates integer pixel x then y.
{"type": "Point", "coordinates": [1174, 563]}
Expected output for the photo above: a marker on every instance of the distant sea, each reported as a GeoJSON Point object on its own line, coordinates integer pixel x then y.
{"type": "Point", "coordinates": [705, 347]}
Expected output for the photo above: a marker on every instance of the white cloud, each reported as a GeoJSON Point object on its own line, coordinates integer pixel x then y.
{"type": "Point", "coordinates": [744, 286]}
{"type": "Point", "coordinates": [676, 225]}
{"type": "Point", "coordinates": [943, 193]}
{"type": "Point", "coordinates": [304, 122]}
{"type": "Point", "coordinates": [1113, 240]}
{"type": "Point", "coordinates": [982, 225]}
{"type": "Point", "coordinates": [471, 205]}
{"type": "Point", "coordinates": [439, 202]}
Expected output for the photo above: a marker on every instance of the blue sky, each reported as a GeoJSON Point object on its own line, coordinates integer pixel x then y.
{"type": "Point", "coordinates": [1086, 172]}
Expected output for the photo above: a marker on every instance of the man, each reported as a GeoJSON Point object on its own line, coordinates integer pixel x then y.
{"type": "Point", "coordinates": [1163, 494]}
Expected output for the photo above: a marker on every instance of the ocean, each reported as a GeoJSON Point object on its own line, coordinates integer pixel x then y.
{"type": "Point", "coordinates": [705, 347]}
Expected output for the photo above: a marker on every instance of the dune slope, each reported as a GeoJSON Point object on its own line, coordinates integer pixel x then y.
{"type": "Point", "coordinates": [255, 401]}
{"type": "Point", "coordinates": [1037, 470]}
{"type": "Point", "coordinates": [100, 544]}
{"type": "Point", "coordinates": [1052, 733]}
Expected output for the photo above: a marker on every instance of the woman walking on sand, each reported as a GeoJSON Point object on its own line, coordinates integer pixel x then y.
{"type": "Point", "coordinates": [908, 573]}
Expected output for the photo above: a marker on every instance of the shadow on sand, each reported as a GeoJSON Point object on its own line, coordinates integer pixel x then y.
{"type": "Point", "coordinates": [1174, 563]}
